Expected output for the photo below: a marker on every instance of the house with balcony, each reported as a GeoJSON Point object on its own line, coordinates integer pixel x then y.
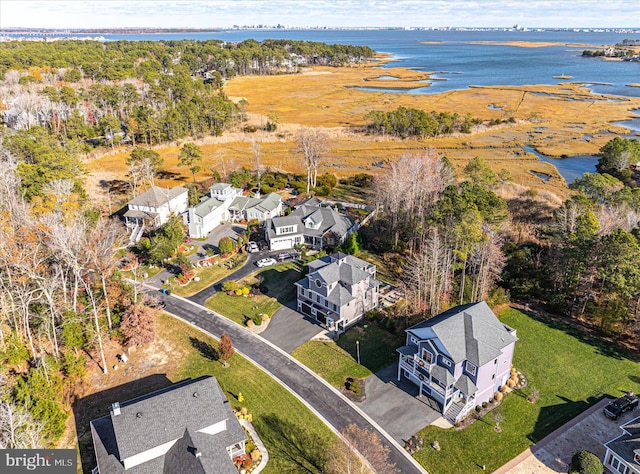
{"type": "Point", "coordinates": [460, 358]}
{"type": "Point", "coordinates": [152, 209]}
{"type": "Point", "coordinates": [338, 291]}
{"type": "Point", "coordinates": [623, 453]}
{"type": "Point", "coordinates": [187, 427]}
{"type": "Point", "coordinates": [311, 224]}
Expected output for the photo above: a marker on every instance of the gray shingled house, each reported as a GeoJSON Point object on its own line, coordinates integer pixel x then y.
{"type": "Point", "coordinates": [460, 357]}
{"type": "Point", "coordinates": [188, 427]}
{"type": "Point", "coordinates": [152, 209]}
{"type": "Point", "coordinates": [338, 291]}
{"type": "Point", "coordinates": [623, 452]}
{"type": "Point", "coordinates": [308, 223]}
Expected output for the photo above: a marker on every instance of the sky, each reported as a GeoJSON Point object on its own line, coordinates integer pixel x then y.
{"type": "Point", "coordinates": [312, 13]}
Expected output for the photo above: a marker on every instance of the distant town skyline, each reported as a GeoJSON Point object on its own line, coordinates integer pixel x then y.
{"type": "Point", "coordinates": [314, 13]}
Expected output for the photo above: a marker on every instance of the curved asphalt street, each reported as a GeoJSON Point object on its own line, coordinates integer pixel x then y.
{"type": "Point", "coordinates": [324, 399]}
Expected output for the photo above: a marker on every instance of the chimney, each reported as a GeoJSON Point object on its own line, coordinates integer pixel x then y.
{"type": "Point", "coordinates": [115, 408]}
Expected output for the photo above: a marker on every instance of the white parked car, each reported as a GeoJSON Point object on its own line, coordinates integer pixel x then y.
{"type": "Point", "coordinates": [266, 262]}
{"type": "Point", "coordinates": [252, 247]}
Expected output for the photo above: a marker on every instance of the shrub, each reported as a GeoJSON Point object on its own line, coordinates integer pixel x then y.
{"type": "Point", "coordinates": [478, 408]}
{"type": "Point", "coordinates": [226, 245]}
{"type": "Point", "coordinates": [249, 447]}
{"type": "Point", "coordinates": [354, 387]}
{"type": "Point", "coordinates": [257, 319]}
{"type": "Point", "coordinates": [511, 383]}
{"type": "Point", "coordinates": [230, 286]}
{"type": "Point", "coordinates": [239, 292]}
{"type": "Point", "coordinates": [245, 290]}
{"type": "Point", "coordinates": [243, 410]}
{"type": "Point", "coordinates": [498, 396]}
{"type": "Point", "coordinates": [250, 323]}
{"type": "Point", "coordinates": [585, 462]}
{"type": "Point", "coordinates": [503, 389]}
{"type": "Point", "coordinates": [484, 404]}
{"type": "Point", "coordinates": [255, 455]}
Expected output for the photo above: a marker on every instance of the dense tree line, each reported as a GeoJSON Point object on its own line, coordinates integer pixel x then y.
{"type": "Point", "coordinates": [450, 232]}
{"type": "Point", "coordinates": [117, 60]}
{"type": "Point", "coordinates": [141, 91]}
{"type": "Point", "coordinates": [408, 122]}
{"type": "Point", "coordinates": [61, 296]}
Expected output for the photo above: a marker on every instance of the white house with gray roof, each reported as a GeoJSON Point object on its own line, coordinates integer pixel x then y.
{"type": "Point", "coordinates": [250, 208]}
{"type": "Point", "coordinates": [623, 453]}
{"type": "Point", "coordinates": [460, 358]}
{"type": "Point", "coordinates": [338, 291]}
{"type": "Point", "coordinates": [152, 209]}
{"type": "Point", "coordinates": [226, 203]}
{"type": "Point", "coordinates": [311, 224]}
{"type": "Point", "coordinates": [188, 427]}
{"type": "Point", "coordinates": [211, 210]}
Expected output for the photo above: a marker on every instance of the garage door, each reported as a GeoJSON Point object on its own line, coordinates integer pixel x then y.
{"type": "Point", "coordinates": [281, 244]}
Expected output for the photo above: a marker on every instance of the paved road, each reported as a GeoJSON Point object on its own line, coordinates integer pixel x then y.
{"type": "Point", "coordinates": [323, 398]}
{"type": "Point", "coordinates": [247, 269]}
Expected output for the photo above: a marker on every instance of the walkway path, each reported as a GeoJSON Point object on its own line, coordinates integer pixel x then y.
{"type": "Point", "coordinates": [319, 396]}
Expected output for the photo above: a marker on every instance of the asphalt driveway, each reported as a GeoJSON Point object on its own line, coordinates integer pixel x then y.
{"type": "Point", "coordinates": [394, 405]}
{"type": "Point", "coordinates": [289, 329]}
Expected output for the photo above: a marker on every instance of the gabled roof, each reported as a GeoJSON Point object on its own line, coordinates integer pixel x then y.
{"type": "Point", "coordinates": [172, 415]}
{"type": "Point", "coordinates": [465, 385]}
{"type": "Point", "coordinates": [328, 218]}
{"type": "Point", "coordinates": [340, 296]}
{"type": "Point", "coordinates": [625, 445]}
{"type": "Point", "coordinates": [157, 196]}
{"type": "Point", "coordinates": [220, 186]}
{"type": "Point", "coordinates": [207, 205]}
{"type": "Point", "coordinates": [467, 332]}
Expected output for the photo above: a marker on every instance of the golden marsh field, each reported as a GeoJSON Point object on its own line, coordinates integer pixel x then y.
{"type": "Point", "coordinates": [560, 120]}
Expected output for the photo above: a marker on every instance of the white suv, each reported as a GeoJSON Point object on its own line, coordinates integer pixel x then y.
{"type": "Point", "coordinates": [252, 247]}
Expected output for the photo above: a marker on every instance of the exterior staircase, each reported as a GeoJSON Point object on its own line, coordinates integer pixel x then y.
{"type": "Point", "coordinates": [452, 413]}
{"type": "Point", "coordinates": [136, 234]}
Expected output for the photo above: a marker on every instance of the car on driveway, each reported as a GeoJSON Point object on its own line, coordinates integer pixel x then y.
{"type": "Point", "coordinates": [266, 262]}
{"type": "Point", "coordinates": [252, 247]}
{"type": "Point", "coordinates": [617, 407]}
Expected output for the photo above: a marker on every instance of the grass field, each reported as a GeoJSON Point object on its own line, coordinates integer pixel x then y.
{"type": "Point", "coordinates": [295, 439]}
{"type": "Point", "coordinates": [572, 372]}
{"type": "Point", "coordinates": [278, 289]}
{"type": "Point", "coordinates": [334, 362]}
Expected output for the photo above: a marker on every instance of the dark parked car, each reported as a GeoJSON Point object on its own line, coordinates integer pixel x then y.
{"type": "Point", "coordinates": [617, 407]}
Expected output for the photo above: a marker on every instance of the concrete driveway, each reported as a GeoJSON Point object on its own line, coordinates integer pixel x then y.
{"type": "Point", "coordinates": [394, 404]}
{"type": "Point", "coordinates": [289, 329]}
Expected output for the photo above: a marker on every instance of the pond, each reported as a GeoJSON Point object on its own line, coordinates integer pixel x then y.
{"type": "Point", "coordinates": [570, 168]}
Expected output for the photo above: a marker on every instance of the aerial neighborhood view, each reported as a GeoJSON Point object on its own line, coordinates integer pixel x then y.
{"type": "Point", "coordinates": [319, 237]}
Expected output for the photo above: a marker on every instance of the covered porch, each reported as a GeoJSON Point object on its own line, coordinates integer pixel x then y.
{"type": "Point", "coordinates": [136, 219]}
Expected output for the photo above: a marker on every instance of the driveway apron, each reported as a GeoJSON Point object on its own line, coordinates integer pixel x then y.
{"type": "Point", "coordinates": [289, 329]}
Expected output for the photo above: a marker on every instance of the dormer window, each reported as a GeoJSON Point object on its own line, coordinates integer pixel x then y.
{"type": "Point", "coordinates": [446, 362]}
{"type": "Point", "coordinates": [318, 283]}
{"type": "Point", "coordinates": [414, 340]}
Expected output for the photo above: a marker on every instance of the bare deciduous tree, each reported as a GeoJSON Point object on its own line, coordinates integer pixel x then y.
{"type": "Point", "coordinates": [312, 144]}
{"type": "Point", "coordinates": [359, 451]}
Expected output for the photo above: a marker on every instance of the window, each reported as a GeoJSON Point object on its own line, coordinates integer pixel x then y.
{"type": "Point", "coordinates": [495, 362]}
{"type": "Point", "coordinates": [318, 283]}
{"type": "Point", "coordinates": [414, 340]}
{"type": "Point", "coordinates": [617, 465]}
{"type": "Point", "coordinates": [493, 377]}
{"type": "Point", "coordinates": [285, 230]}
{"type": "Point", "coordinates": [426, 355]}
{"type": "Point", "coordinates": [446, 362]}
{"type": "Point", "coordinates": [471, 368]}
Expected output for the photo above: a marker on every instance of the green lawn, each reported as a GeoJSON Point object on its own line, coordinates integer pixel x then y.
{"type": "Point", "coordinates": [329, 361]}
{"type": "Point", "coordinates": [278, 288]}
{"type": "Point", "coordinates": [296, 440]}
{"type": "Point", "coordinates": [210, 275]}
{"type": "Point", "coordinates": [572, 372]}
{"type": "Point", "coordinates": [335, 362]}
